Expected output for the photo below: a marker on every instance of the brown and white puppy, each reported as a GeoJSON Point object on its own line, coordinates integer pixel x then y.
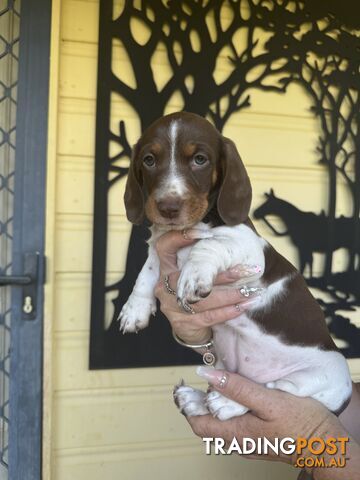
{"type": "Point", "coordinates": [184, 172]}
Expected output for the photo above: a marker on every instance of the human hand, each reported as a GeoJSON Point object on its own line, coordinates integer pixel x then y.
{"type": "Point", "coordinates": [221, 305]}
{"type": "Point", "coordinates": [273, 414]}
{"type": "Point", "coordinates": [350, 417]}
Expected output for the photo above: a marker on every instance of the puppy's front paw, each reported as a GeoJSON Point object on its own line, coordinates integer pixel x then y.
{"type": "Point", "coordinates": [135, 314]}
{"type": "Point", "coordinates": [223, 408]}
{"type": "Point", "coordinates": [195, 282]}
{"type": "Point", "coordinates": [190, 401]}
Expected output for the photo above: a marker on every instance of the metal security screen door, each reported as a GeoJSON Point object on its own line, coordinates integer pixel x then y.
{"type": "Point", "coordinates": [10, 26]}
{"type": "Point", "coordinates": [24, 72]}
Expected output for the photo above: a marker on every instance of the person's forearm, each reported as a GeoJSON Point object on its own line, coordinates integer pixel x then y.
{"type": "Point", "coordinates": [351, 470]}
{"type": "Point", "coordinates": [350, 417]}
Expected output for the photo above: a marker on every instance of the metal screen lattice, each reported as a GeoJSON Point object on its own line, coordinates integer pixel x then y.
{"type": "Point", "coordinates": [9, 49]}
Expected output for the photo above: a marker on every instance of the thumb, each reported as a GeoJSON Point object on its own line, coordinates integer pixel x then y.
{"type": "Point", "coordinates": [168, 245]}
{"type": "Point", "coordinates": [252, 395]}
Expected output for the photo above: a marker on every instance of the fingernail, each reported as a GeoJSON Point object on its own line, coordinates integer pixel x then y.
{"type": "Point", "coordinates": [244, 270]}
{"type": "Point", "coordinates": [215, 377]}
{"type": "Point", "coordinates": [197, 233]}
{"type": "Point", "coordinates": [241, 307]}
{"type": "Point", "coordinates": [209, 373]}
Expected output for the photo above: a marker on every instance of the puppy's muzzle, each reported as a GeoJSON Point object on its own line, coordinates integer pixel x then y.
{"type": "Point", "coordinates": [170, 207]}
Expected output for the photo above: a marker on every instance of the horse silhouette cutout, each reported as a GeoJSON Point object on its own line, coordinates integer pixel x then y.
{"type": "Point", "coordinates": [307, 230]}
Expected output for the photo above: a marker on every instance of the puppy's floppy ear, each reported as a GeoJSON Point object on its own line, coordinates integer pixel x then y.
{"type": "Point", "coordinates": [235, 192]}
{"type": "Point", "coordinates": [134, 197]}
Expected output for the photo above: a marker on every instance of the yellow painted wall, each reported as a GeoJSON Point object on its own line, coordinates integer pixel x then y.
{"type": "Point", "coordinates": [122, 424]}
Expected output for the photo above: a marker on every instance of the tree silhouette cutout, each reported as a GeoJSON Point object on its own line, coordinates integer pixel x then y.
{"type": "Point", "coordinates": [324, 53]}
{"type": "Point", "coordinates": [325, 64]}
{"type": "Point", "coordinates": [195, 34]}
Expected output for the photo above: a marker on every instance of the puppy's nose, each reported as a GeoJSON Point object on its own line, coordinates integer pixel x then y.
{"type": "Point", "coordinates": [170, 207]}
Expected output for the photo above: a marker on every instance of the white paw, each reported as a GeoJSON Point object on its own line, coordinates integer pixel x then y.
{"type": "Point", "coordinates": [223, 408]}
{"type": "Point", "coordinates": [135, 314]}
{"type": "Point", "coordinates": [190, 401]}
{"type": "Point", "coordinates": [195, 281]}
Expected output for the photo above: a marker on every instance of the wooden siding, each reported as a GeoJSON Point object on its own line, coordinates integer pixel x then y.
{"type": "Point", "coordinates": [122, 423]}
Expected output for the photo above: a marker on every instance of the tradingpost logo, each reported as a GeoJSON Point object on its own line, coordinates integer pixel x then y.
{"type": "Point", "coordinates": [310, 453]}
{"type": "Point", "coordinates": [324, 453]}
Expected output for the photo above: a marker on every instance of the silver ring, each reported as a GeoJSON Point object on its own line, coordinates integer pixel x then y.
{"type": "Point", "coordinates": [188, 308]}
{"type": "Point", "coordinates": [184, 234]}
{"type": "Point", "coordinates": [247, 291]}
{"type": "Point", "coordinates": [223, 381]}
{"type": "Point", "coordinates": [167, 285]}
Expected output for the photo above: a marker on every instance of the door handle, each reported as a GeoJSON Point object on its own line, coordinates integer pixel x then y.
{"type": "Point", "coordinates": [28, 281]}
{"type": "Point", "coordinates": [14, 280]}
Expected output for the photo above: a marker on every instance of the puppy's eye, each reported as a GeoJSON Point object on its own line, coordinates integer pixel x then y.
{"type": "Point", "coordinates": [200, 159]}
{"type": "Point", "coordinates": [149, 160]}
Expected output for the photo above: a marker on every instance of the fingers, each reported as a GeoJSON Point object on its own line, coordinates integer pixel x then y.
{"type": "Point", "coordinates": [208, 426]}
{"type": "Point", "coordinates": [168, 245]}
{"type": "Point", "coordinates": [207, 318]}
{"type": "Point", "coordinates": [238, 272]}
{"type": "Point", "coordinates": [242, 390]}
{"type": "Point", "coordinates": [161, 292]}
{"type": "Point", "coordinates": [229, 305]}
{"type": "Point", "coordinates": [230, 297]}
{"type": "Point", "coordinates": [216, 316]}
{"type": "Point", "coordinates": [217, 299]}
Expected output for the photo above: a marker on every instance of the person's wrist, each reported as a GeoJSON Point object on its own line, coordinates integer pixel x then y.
{"type": "Point", "coordinates": [203, 347]}
{"type": "Point", "coordinates": [345, 451]}
{"type": "Point", "coordinates": [199, 337]}
{"type": "Point", "coordinates": [330, 427]}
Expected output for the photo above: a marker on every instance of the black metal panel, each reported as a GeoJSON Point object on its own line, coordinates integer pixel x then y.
{"type": "Point", "coordinates": [310, 43]}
